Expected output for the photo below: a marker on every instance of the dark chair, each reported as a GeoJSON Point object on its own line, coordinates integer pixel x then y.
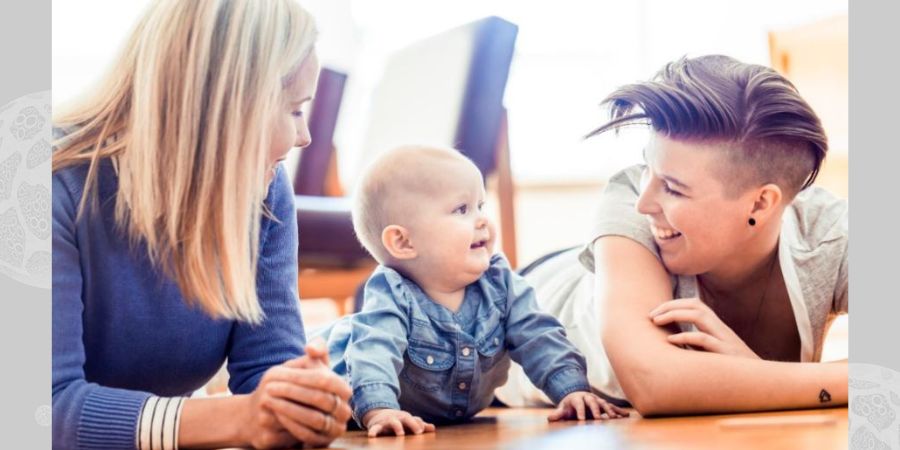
{"type": "Point", "coordinates": [460, 108]}
{"type": "Point", "coordinates": [322, 211]}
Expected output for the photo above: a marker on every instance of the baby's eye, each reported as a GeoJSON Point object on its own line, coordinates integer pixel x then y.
{"type": "Point", "coordinates": [480, 206]}
{"type": "Point", "coordinates": [297, 114]}
{"type": "Point", "coordinates": [461, 209]}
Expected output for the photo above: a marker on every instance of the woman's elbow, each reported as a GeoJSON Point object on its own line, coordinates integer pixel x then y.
{"type": "Point", "coordinates": [653, 393]}
{"type": "Point", "coordinates": [653, 397]}
{"type": "Point", "coordinates": [646, 384]}
{"type": "Point", "coordinates": [648, 406]}
{"type": "Point", "coordinates": [644, 399]}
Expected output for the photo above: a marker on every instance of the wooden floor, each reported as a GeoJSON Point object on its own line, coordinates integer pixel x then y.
{"type": "Point", "coordinates": [529, 429]}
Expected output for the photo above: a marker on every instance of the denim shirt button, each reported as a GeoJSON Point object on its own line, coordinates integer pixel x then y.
{"type": "Point", "coordinates": [429, 360]}
{"type": "Point", "coordinates": [496, 341]}
{"type": "Point", "coordinates": [466, 351]}
{"type": "Point", "coordinates": [459, 413]}
{"type": "Point", "coordinates": [462, 386]}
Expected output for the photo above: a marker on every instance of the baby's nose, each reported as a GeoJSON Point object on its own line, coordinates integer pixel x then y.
{"type": "Point", "coordinates": [481, 222]}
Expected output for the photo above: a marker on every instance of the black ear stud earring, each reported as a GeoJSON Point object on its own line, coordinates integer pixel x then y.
{"type": "Point", "coordinates": [752, 221]}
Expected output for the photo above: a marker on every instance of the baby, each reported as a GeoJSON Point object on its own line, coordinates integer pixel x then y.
{"type": "Point", "coordinates": [443, 316]}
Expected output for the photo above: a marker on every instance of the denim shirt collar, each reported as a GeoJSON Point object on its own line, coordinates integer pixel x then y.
{"type": "Point", "coordinates": [475, 309]}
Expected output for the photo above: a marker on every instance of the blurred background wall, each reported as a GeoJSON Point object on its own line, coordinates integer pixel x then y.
{"type": "Point", "coordinates": [569, 55]}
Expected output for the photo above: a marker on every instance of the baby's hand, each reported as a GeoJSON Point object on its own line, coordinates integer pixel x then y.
{"type": "Point", "coordinates": [386, 421]}
{"type": "Point", "coordinates": [574, 405]}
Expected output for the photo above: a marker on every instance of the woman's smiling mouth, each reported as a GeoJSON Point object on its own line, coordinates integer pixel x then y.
{"type": "Point", "coordinates": [664, 234]}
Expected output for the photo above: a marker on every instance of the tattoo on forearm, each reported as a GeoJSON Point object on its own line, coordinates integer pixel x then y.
{"type": "Point", "coordinates": [824, 396]}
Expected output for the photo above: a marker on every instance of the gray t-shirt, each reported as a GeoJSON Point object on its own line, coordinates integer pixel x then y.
{"type": "Point", "coordinates": [812, 255]}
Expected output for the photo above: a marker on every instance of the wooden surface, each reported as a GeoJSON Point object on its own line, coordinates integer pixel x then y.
{"type": "Point", "coordinates": [510, 428]}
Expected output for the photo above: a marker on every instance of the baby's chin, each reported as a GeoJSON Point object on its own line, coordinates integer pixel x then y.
{"type": "Point", "coordinates": [483, 265]}
{"type": "Point", "coordinates": [474, 268]}
{"type": "Point", "coordinates": [470, 278]}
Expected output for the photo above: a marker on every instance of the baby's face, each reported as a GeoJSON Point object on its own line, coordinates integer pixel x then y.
{"type": "Point", "coordinates": [450, 230]}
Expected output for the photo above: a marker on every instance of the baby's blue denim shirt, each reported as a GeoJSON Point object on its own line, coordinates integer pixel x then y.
{"type": "Point", "coordinates": [404, 351]}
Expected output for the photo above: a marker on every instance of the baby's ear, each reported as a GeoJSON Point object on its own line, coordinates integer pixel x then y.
{"type": "Point", "coordinates": [396, 241]}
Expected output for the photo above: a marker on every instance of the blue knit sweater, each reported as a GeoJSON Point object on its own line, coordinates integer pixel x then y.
{"type": "Point", "coordinates": [122, 331]}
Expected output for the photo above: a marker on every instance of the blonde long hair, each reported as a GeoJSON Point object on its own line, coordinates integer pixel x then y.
{"type": "Point", "coordinates": [185, 116]}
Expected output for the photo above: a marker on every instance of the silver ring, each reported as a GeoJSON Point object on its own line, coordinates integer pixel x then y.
{"type": "Point", "coordinates": [326, 427]}
{"type": "Point", "coordinates": [337, 403]}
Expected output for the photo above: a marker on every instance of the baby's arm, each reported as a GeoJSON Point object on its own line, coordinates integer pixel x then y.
{"type": "Point", "coordinates": [537, 341]}
{"type": "Point", "coordinates": [374, 361]}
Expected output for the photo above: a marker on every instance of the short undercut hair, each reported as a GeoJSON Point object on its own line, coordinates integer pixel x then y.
{"type": "Point", "coordinates": [769, 131]}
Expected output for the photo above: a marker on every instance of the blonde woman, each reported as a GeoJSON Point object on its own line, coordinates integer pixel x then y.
{"type": "Point", "coordinates": [175, 239]}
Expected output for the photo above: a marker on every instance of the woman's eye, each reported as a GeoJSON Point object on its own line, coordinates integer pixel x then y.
{"type": "Point", "coordinates": [461, 209]}
{"type": "Point", "coordinates": [297, 114]}
{"type": "Point", "coordinates": [670, 191]}
{"type": "Point", "coordinates": [481, 206]}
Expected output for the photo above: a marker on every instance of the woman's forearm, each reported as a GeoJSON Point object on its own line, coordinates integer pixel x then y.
{"type": "Point", "coordinates": [660, 378]}
{"type": "Point", "coordinates": [212, 422]}
{"type": "Point", "coordinates": [690, 382]}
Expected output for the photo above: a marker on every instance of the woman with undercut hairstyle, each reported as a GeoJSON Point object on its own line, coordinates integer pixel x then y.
{"type": "Point", "coordinates": [715, 268]}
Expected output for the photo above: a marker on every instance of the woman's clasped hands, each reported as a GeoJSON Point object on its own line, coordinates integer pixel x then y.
{"type": "Point", "coordinates": [299, 401]}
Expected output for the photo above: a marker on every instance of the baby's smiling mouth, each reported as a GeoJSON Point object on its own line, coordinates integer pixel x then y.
{"type": "Point", "coordinates": [478, 244]}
